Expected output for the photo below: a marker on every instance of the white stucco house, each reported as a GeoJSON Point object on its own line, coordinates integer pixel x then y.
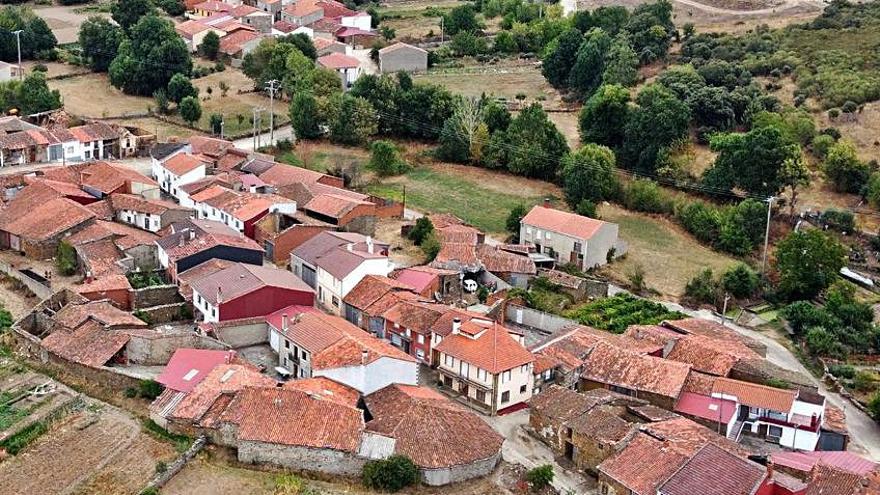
{"type": "Point", "coordinates": [177, 170]}
{"type": "Point", "coordinates": [346, 66]}
{"type": "Point", "coordinates": [570, 238]}
{"type": "Point", "coordinates": [313, 344]}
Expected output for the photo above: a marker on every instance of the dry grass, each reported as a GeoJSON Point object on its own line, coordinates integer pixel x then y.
{"type": "Point", "coordinates": [567, 123]}
{"type": "Point", "coordinates": [163, 130]}
{"type": "Point", "coordinates": [92, 95]}
{"type": "Point", "coordinates": [55, 68]}
{"type": "Point", "coordinates": [669, 256]}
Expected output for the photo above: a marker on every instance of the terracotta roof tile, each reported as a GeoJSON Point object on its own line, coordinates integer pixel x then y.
{"type": "Point", "coordinates": [806, 461]}
{"type": "Point", "coordinates": [754, 395]}
{"type": "Point", "coordinates": [643, 464]}
{"type": "Point", "coordinates": [200, 235]}
{"type": "Point", "coordinates": [338, 61]}
{"type": "Point", "coordinates": [140, 204]}
{"type": "Point", "coordinates": [89, 344]}
{"type": "Point", "coordinates": [827, 480]}
{"type": "Point", "coordinates": [326, 389]}
{"type": "Point", "coordinates": [714, 471]}
{"type": "Point", "coordinates": [241, 279]}
{"type": "Point", "coordinates": [223, 379]}
{"type": "Point", "coordinates": [429, 428]}
{"type": "Point", "coordinates": [615, 366]}
{"type": "Point", "coordinates": [494, 350]}
{"type": "Point", "coordinates": [188, 367]}
{"type": "Point", "coordinates": [687, 437]}
{"type": "Point", "coordinates": [182, 163]}
{"type": "Point", "coordinates": [370, 289]}
{"type": "Point", "coordinates": [563, 222]}
{"type": "Point", "coordinates": [101, 285]}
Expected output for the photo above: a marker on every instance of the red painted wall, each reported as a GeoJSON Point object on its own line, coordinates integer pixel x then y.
{"type": "Point", "coordinates": [414, 344]}
{"type": "Point", "coordinates": [264, 301]}
{"type": "Point", "coordinates": [249, 225]}
{"type": "Point", "coordinates": [768, 487]}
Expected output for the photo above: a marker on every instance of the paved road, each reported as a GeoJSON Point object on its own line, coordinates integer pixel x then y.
{"type": "Point", "coordinates": [864, 432]}
{"type": "Point", "coordinates": [570, 6]}
{"type": "Point", "coordinates": [284, 132]}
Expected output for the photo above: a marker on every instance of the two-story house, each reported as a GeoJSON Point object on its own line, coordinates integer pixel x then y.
{"type": "Point", "coordinates": [314, 344]}
{"type": "Point", "coordinates": [147, 214]}
{"type": "Point", "coordinates": [194, 242]}
{"type": "Point", "coordinates": [240, 210]}
{"type": "Point", "coordinates": [177, 170]}
{"type": "Point", "coordinates": [486, 364]}
{"type": "Point", "coordinates": [569, 238]}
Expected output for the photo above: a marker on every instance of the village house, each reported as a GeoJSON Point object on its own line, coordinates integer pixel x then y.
{"type": "Point", "coordinates": [147, 214]}
{"type": "Point", "coordinates": [97, 141]}
{"type": "Point", "coordinates": [22, 143]}
{"type": "Point", "coordinates": [313, 344]}
{"type": "Point", "coordinates": [178, 169]}
{"type": "Point", "coordinates": [801, 465]}
{"type": "Point", "coordinates": [254, 17]}
{"type": "Point", "coordinates": [485, 364]}
{"type": "Point", "coordinates": [359, 302]}
{"type": "Point", "coordinates": [401, 57]}
{"type": "Point", "coordinates": [408, 326]}
{"type": "Point", "coordinates": [569, 238]}
{"type": "Point", "coordinates": [280, 233]}
{"type": "Point", "coordinates": [196, 241]}
{"type": "Point", "coordinates": [334, 262]}
{"type": "Point", "coordinates": [8, 71]}
{"type": "Point", "coordinates": [432, 283]}
{"type": "Point", "coordinates": [346, 66]}
{"type": "Point", "coordinates": [238, 209]}
{"type": "Point", "coordinates": [243, 290]}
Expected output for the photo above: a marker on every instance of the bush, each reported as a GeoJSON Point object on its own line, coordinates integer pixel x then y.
{"type": "Point", "coordinates": [421, 230]}
{"type": "Point", "coordinates": [431, 246]}
{"type": "Point", "coordinates": [740, 281]}
{"type": "Point", "coordinates": [839, 220]}
{"type": "Point", "coordinates": [802, 316]}
{"type": "Point", "coordinates": [385, 159]}
{"type": "Point", "coordinates": [150, 389]}
{"type": "Point", "coordinates": [645, 195]}
{"type": "Point", "coordinates": [65, 259]}
{"type": "Point", "coordinates": [874, 406]}
{"type": "Point", "coordinates": [863, 381]}
{"type": "Point", "coordinates": [131, 392]}
{"type": "Point", "coordinates": [391, 474]}
{"type": "Point", "coordinates": [842, 371]}
{"type": "Point", "coordinates": [702, 220]}
{"type": "Point", "coordinates": [540, 477]}
{"type": "Point", "coordinates": [24, 437]}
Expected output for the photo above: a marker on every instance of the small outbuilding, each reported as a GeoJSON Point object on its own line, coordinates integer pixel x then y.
{"type": "Point", "coordinates": [401, 57]}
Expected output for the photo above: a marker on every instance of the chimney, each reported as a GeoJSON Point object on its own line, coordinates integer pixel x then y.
{"type": "Point", "coordinates": [769, 469]}
{"type": "Point", "coordinates": [364, 355]}
{"type": "Point", "coordinates": [369, 244]}
{"type": "Point", "coordinates": [284, 322]}
{"type": "Point", "coordinates": [349, 246]}
{"type": "Point", "coordinates": [192, 234]}
{"type": "Point", "coordinates": [546, 202]}
{"type": "Point", "coordinates": [219, 295]}
{"type": "Point", "coordinates": [456, 325]}
{"type": "Point", "coordinates": [230, 354]}
{"type": "Point", "coordinates": [181, 241]}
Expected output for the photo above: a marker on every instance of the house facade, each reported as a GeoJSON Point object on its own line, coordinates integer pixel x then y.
{"type": "Point", "coordinates": [401, 57]}
{"type": "Point", "coordinates": [569, 238]}
{"type": "Point", "coordinates": [176, 170]}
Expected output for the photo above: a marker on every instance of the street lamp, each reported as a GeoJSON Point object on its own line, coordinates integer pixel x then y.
{"type": "Point", "coordinates": [18, 40]}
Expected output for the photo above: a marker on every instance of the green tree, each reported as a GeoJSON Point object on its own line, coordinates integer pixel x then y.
{"type": "Point", "coordinates": [325, 82]}
{"type": "Point", "coordinates": [586, 208]}
{"type": "Point", "coordinates": [161, 98]}
{"type": "Point", "coordinates": [190, 109]}
{"type": "Point", "coordinates": [215, 120]}
{"type": "Point", "coordinates": [651, 28]}
{"type": "Point", "coordinates": [843, 167]}
{"type": "Point", "coordinates": [872, 191]}
{"type": "Point", "coordinates": [65, 259]}
{"type": "Point", "coordinates": [210, 45]}
{"type": "Point", "coordinates": [461, 19]}
{"type": "Point", "coordinates": [127, 13]}
{"type": "Point", "coordinates": [431, 246]}
{"type": "Point", "coordinates": [621, 63]}
{"type": "Point", "coordinates": [496, 116]}
{"type": "Point", "coordinates": [536, 145]}
{"type": "Point", "coordinates": [540, 477]}
{"type": "Point", "coordinates": [586, 74]}
{"type": "Point", "coordinates": [561, 55]}
{"type": "Point", "coordinates": [149, 58]}
{"type": "Point", "coordinates": [752, 161]}
{"type": "Point", "coordinates": [355, 121]}
{"type": "Point", "coordinates": [808, 261]}
{"type": "Point", "coordinates": [385, 159]}
{"type": "Point", "coordinates": [588, 173]}
{"type": "Point", "coordinates": [298, 72]}
{"type": "Point", "coordinates": [421, 230]}
{"type": "Point", "coordinates": [703, 288]}
{"type": "Point", "coordinates": [172, 7]}
{"type": "Point", "coordinates": [36, 37]}
{"type": "Point", "coordinates": [179, 87]}
{"type": "Point", "coordinates": [659, 119]}
{"type": "Point", "coordinates": [514, 218]}
{"type": "Point", "coordinates": [504, 43]}
{"type": "Point", "coordinates": [302, 43]}
{"type": "Point", "coordinates": [304, 116]}
{"type": "Point", "coordinates": [874, 406]}
{"type": "Point", "coordinates": [99, 40]}
{"type": "Point", "coordinates": [466, 44]}
{"type": "Point", "coordinates": [603, 118]}
{"type": "Point", "coordinates": [821, 342]}
{"type": "Point", "coordinates": [34, 95]}
{"type": "Point", "coordinates": [740, 281]}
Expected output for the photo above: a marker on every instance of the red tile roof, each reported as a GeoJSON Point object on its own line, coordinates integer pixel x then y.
{"type": "Point", "coordinates": [241, 279]}
{"type": "Point", "coordinates": [687, 436]}
{"type": "Point", "coordinates": [643, 464]}
{"type": "Point", "coordinates": [827, 480]}
{"type": "Point", "coordinates": [232, 43]}
{"type": "Point", "coordinates": [182, 163]}
{"type": "Point", "coordinates": [417, 279]}
{"type": "Point", "coordinates": [326, 389]}
{"type": "Point", "coordinates": [188, 367]}
{"type": "Point", "coordinates": [706, 407]}
{"type": "Point", "coordinates": [275, 319]}
{"type": "Point", "coordinates": [90, 344]}
{"type": "Point", "coordinates": [132, 202]}
{"type": "Point", "coordinates": [429, 428]}
{"type": "Point", "coordinates": [99, 287]}
{"type": "Point", "coordinates": [200, 235]}
{"type": "Point", "coordinates": [287, 416]}
{"type": "Point", "coordinates": [75, 314]}
{"type": "Point", "coordinates": [340, 262]}
{"type": "Point", "coordinates": [714, 471]}
{"type": "Point", "coordinates": [563, 222]}
{"type": "Point", "coordinates": [107, 178]}
{"type": "Point", "coordinates": [805, 461]}
{"type": "Point", "coordinates": [209, 146]}
{"type": "Point", "coordinates": [615, 366]}
{"type": "Point", "coordinates": [333, 205]}
{"type": "Point", "coordinates": [281, 174]}
{"type": "Point", "coordinates": [44, 220]}
{"type": "Point", "coordinates": [338, 61]}
{"type": "Point", "coordinates": [494, 350]}
{"type": "Point", "coordinates": [708, 355]}
{"type": "Point", "coordinates": [370, 289]}
{"type": "Point", "coordinates": [754, 395]}
{"type": "Point", "coordinates": [223, 379]}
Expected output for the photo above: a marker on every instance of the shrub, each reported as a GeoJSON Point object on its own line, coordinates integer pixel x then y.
{"type": "Point", "coordinates": [700, 219]}
{"type": "Point", "coordinates": [802, 316]}
{"type": "Point", "coordinates": [839, 220]}
{"type": "Point", "coordinates": [645, 195]}
{"type": "Point", "coordinates": [391, 474]}
{"type": "Point", "coordinates": [431, 246]}
{"type": "Point", "coordinates": [131, 392]}
{"type": "Point", "coordinates": [821, 342]}
{"type": "Point", "coordinates": [702, 288]}
{"type": "Point", "coordinates": [421, 230]}
{"type": "Point", "coordinates": [65, 259]}
{"type": "Point", "coordinates": [385, 159]}
{"type": "Point", "coordinates": [24, 437]}
{"type": "Point", "coordinates": [845, 371]}
{"type": "Point", "coordinates": [740, 281]}
{"type": "Point", "coordinates": [149, 389]}
{"type": "Point", "coordinates": [872, 190]}
{"type": "Point", "coordinates": [821, 144]}
{"type": "Point", "coordinates": [874, 406]}
{"type": "Point", "coordinates": [863, 381]}
{"type": "Point", "coordinates": [161, 467]}
{"type": "Point", "coordinates": [586, 208]}
{"type": "Point", "coordinates": [540, 477]}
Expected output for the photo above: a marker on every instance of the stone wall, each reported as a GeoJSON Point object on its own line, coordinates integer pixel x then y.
{"type": "Point", "coordinates": [243, 335]}
{"type": "Point", "coordinates": [40, 290]}
{"type": "Point", "coordinates": [168, 312]}
{"type": "Point", "coordinates": [455, 474]}
{"type": "Point", "coordinates": [157, 350]}
{"type": "Point", "coordinates": [327, 461]}
{"type": "Point", "coordinates": [538, 320]}
{"type": "Point", "coordinates": [157, 295]}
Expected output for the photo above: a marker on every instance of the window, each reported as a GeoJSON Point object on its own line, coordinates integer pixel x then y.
{"type": "Point", "coordinates": [505, 397]}
{"type": "Point", "coordinates": [304, 354]}
{"type": "Point", "coordinates": [448, 360]}
{"type": "Point", "coordinates": [524, 368]}
{"type": "Point", "coordinates": [547, 236]}
{"type": "Point", "coordinates": [578, 247]}
{"type": "Point", "coordinates": [481, 396]}
{"type": "Point", "coordinates": [447, 381]}
{"type": "Point", "coordinates": [505, 377]}
{"type": "Point", "coordinates": [287, 344]}
{"type": "Point", "coordinates": [335, 301]}
{"type": "Point", "coordinates": [537, 234]}
{"type": "Point", "coordinates": [420, 354]}
{"type": "Point", "coordinates": [774, 431]}
{"type": "Point", "coordinates": [463, 368]}
{"type": "Point", "coordinates": [523, 388]}
{"type": "Point", "coordinates": [214, 312]}
{"type": "Point", "coordinates": [421, 339]}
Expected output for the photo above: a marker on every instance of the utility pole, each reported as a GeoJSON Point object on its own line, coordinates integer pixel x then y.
{"type": "Point", "coordinates": [272, 86]}
{"type": "Point", "coordinates": [766, 237]}
{"type": "Point", "coordinates": [256, 111]}
{"type": "Point", "coordinates": [222, 124]}
{"type": "Point", "coordinates": [18, 39]}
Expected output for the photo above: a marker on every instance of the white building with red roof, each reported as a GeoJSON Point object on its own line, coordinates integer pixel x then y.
{"type": "Point", "coordinates": [347, 66]}
{"type": "Point", "coordinates": [569, 238]}
{"type": "Point", "coordinates": [486, 364]}
{"type": "Point", "coordinates": [179, 169]}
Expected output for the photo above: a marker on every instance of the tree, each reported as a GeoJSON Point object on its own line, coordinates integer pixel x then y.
{"type": "Point", "coordinates": [161, 98]}
{"type": "Point", "coordinates": [34, 95]}
{"type": "Point", "coordinates": [874, 406]}
{"type": "Point", "coordinates": [385, 159]}
{"type": "Point", "coordinates": [586, 74]}
{"type": "Point", "coordinates": [588, 174]}
{"type": "Point", "coordinates": [172, 7]}
{"type": "Point", "coordinates": [179, 87]}
{"type": "Point", "coordinates": [703, 288]}
{"type": "Point", "coordinates": [651, 28]}
{"type": "Point", "coordinates": [302, 43]}
{"type": "Point", "coordinates": [872, 190]}
{"type": "Point", "coordinates": [216, 122]}
{"type": "Point", "coordinates": [740, 281]}
{"type": "Point", "coordinates": [65, 259]}
{"type": "Point", "coordinates": [561, 55]}
{"type": "Point", "coordinates": [210, 45]}
{"type": "Point", "coordinates": [659, 119]}
{"type": "Point", "coordinates": [821, 342]}
{"type": "Point", "coordinates": [466, 44]}
{"type": "Point", "coordinates": [753, 161]}
{"type": "Point", "coordinates": [792, 175]}
{"type": "Point", "coordinates": [190, 109]}
{"type": "Point", "coordinates": [431, 246]}
{"type": "Point", "coordinates": [504, 43]}
{"type": "Point", "coordinates": [149, 58]}
{"type": "Point", "coordinates": [712, 109]}
{"type": "Point", "coordinates": [99, 40]}
{"type": "Point", "coordinates": [304, 116]}
{"type": "Point", "coordinates": [808, 261]}
{"type": "Point", "coordinates": [514, 218]}
{"type": "Point", "coordinates": [127, 13]}
{"type": "Point", "coordinates": [37, 39]}
{"type": "Point", "coordinates": [586, 208]}
{"type": "Point", "coordinates": [325, 82]}
{"type": "Point", "coordinates": [536, 146]}
{"type": "Point", "coordinates": [298, 72]}
{"type": "Point", "coordinates": [496, 116]}
{"type": "Point", "coordinates": [355, 121]}
{"type": "Point", "coordinates": [421, 230]}
{"type": "Point", "coordinates": [461, 19]}
{"type": "Point", "coordinates": [603, 118]}
{"type": "Point", "coordinates": [621, 63]}
{"type": "Point", "coordinates": [540, 477]}
{"type": "Point", "coordinates": [844, 169]}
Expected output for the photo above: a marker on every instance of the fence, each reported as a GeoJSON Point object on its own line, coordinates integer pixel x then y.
{"type": "Point", "coordinates": [539, 320]}
{"type": "Point", "coordinates": [38, 285]}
